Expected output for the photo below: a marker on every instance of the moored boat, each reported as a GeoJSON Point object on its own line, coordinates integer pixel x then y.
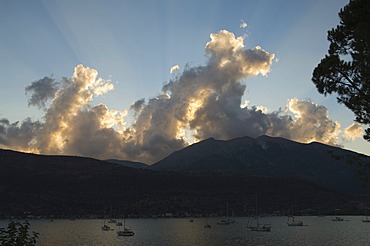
{"type": "Point", "coordinates": [227, 220]}
{"type": "Point", "coordinates": [263, 227]}
{"type": "Point", "coordinates": [105, 228]}
{"type": "Point", "coordinates": [337, 218]}
{"type": "Point", "coordinates": [293, 222]}
{"type": "Point", "coordinates": [126, 232]}
{"type": "Point", "coordinates": [366, 219]}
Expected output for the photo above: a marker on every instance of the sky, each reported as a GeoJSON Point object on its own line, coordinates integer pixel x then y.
{"type": "Point", "coordinates": [137, 80]}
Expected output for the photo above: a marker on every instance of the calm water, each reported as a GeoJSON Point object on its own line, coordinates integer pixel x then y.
{"type": "Point", "coordinates": [319, 231]}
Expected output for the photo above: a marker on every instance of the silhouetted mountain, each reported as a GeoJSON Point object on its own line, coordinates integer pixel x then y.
{"type": "Point", "coordinates": [128, 163]}
{"type": "Point", "coordinates": [329, 166]}
{"type": "Point", "coordinates": [65, 185]}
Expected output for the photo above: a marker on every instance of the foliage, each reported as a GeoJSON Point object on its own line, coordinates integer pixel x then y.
{"type": "Point", "coordinates": [16, 234]}
{"type": "Point", "coordinates": [345, 70]}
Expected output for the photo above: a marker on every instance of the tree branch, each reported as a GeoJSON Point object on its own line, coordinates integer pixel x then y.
{"type": "Point", "coordinates": [350, 81]}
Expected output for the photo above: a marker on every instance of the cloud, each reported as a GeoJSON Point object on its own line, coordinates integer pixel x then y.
{"type": "Point", "coordinates": [42, 90]}
{"type": "Point", "coordinates": [202, 101]}
{"type": "Point", "coordinates": [137, 105]}
{"type": "Point", "coordinates": [174, 68]}
{"type": "Point", "coordinates": [229, 57]}
{"type": "Point", "coordinates": [243, 24]}
{"type": "Point", "coordinates": [352, 132]}
{"type": "Point", "coordinates": [20, 136]}
{"type": "Point", "coordinates": [310, 122]}
{"type": "Point", "coordinates": [71, 125]}
{"type": "Point", "coordinates": [263, 109]}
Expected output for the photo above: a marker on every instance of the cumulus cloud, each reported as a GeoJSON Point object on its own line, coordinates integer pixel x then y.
{"type": "Point", "coordinates": [352, 132]}
{"type": "Point", "coordinates": [202, 101]}
{"type": "Point", "coordinates": [174, 68]}
{"type": "Point", "coordinates": [310, 122]}
{"type": "Point", "coordinates": [20, 136]}
{"type": "Point", "coordinates": [71, 125]}
{"type": "Point", "coordinates": [228, 56]}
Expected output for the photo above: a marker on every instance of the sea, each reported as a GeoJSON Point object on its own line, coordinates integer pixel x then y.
{"type": "Point", "coordinates": [185, 232]}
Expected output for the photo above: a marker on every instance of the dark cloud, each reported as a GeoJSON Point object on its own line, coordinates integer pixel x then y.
{"type": "Point", "coordinates": [137, 105]}
{"type": "Point", "coordinates": [42, 90]}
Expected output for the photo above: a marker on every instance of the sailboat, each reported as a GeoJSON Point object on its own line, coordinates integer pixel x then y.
{"type": "Point", "coordinates": [207, 225]}
{"type": "Point", "coordinates": [366, 219]}
{"type": "Point", "coordinates": [292, 221]}
{"type": "Point", "coordinates": [126, 232]}
{"type": "Point", "coordinates": [112, 221]}
{"type": "Point", "coordinates": [259, 226]}
{"type": "Point", "coordinates": [227, 220]}
{"type": "Point", "coordinates": [337, 218]}
{"type": "Point", "coordinates": [106, 227]}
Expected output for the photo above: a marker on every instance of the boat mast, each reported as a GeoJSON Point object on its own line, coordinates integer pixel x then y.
{"type": "Point", "coordinates": [257, 211]}
{"type": "Point", "coordinates": [227, 209]}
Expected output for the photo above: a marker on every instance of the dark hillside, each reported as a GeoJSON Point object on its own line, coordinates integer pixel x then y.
{"type": "Point", "coordinates": [328, 166]}
{"type": "Point", "coordinates": [64, 186]}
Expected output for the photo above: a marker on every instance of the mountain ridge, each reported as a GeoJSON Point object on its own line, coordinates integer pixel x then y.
{"type": "Point", "coordinates": [67, 185]}
{"type": "Point", "coordinates": [270, 156]}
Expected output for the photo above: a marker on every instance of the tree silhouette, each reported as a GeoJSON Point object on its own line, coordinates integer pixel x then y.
{"type": "Point", "coordinates": [17, 234]}
{"type": "Point", "coordinates": [345, 70]}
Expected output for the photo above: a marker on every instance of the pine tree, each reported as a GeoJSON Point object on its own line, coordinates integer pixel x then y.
{"type": "Point", "coordinates": [345, 70]}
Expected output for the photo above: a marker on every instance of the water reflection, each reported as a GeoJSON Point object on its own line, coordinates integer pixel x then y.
{"type": "Point", "coordinates": [319, 231]}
